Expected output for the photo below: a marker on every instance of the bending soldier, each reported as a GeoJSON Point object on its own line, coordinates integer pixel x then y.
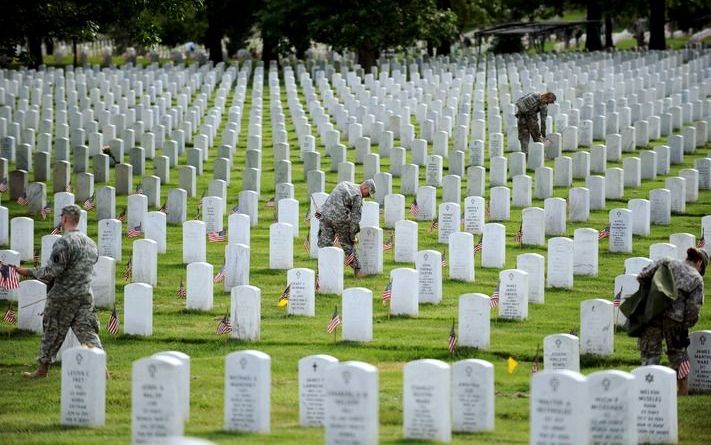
{"type": "Point", "coordinates": [340, 218]}
{"type": "Point", "coordinates": [528, 108]}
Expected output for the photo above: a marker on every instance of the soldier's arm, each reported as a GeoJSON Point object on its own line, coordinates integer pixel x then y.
{"type": "Point", "coordinates": [693, 306]}
{"type": "Point", "coordinates": [544, 115]}
{"type": "Point", "coordinates": [648, 272]}
{"type": "Point", "coordinates": [57, 263]}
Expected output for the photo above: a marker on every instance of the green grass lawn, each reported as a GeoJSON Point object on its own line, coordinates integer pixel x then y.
{"type": "Point", "coordinates": [29, 410]}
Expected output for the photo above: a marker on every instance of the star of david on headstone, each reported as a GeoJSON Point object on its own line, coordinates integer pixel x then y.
{"type": "Point", "coordinates": [555, 383]}
{"type": "Point", "coordinates": [243, 363]}
{"type": "Point", "coordinates": [346, 377]}
{"type": "Point", "coordinates": [152, 371]}
{"type": "Point", "coordinates": [79, 359]}
{"type": "Point", "coordinates": [606, 384]}
{"type": "Point", "coordinates": [649, 378]}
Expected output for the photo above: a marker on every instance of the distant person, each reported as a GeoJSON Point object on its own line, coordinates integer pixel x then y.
{"type": "Point", "coordinates": [672, 292]}
{"type": "Point", "coordinates": [528, 108]}
{"type": "Point", "coordinates": [70, 302]}
{"type": "Point", "coordinates": [340, 218]}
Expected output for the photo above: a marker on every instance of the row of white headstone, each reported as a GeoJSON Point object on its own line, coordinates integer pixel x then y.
{"type": "Point", "coordinates": [607, 406]}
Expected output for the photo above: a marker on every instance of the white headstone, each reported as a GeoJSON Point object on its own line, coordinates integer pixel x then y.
{"type": "Point", "coordinates": [596, 327]}
{"type": "Point", "coordinates": [312, 389]}
{"type": "Point", "coordinates": [656, 404]}
{"type": "Point", "coordinates": [426, 400]}
{"type": "Point", "coordinates": [561, 351]}
{"type": "Point", "coordinates": [248, 380]}
{"type": "Point", "coordinates": [83, 387]}
{"type": "Point", "coordinates": [352, 404]}
{"type": "Point", "coordinates": [245, 312]}
{"type": "Point", "coordinates": [357, 303]}
{"type": "Point", "coordinates": [560, 410]}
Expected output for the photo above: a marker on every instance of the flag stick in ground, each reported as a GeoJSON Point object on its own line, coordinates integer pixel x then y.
{"type": "Point", "coordinates": [334, 323]}
{"type": "Point", "coordinates": [452, 343]}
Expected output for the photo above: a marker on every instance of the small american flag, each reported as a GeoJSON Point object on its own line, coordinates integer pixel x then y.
{"type": "Point", "coordinates": [224, 326]}
{"type": "Point", "coordinates": [479, 245]}
{"type": "Point", "coordinates": [182, 293]}
{"type": "Point", "coordinates": [57, 229]}
{"type": "Point", "coordinates": [618, 298]}
{"type": "Point", "coordinates": [9, 279]}
{"type": "Point", "coordinates": [334, 322]}
{"type": "Point", "coordinates": [444, 260]}
{"type": "Point", "coordinates": [216, 237]}
{"type": "Point", "coordinates": [134, 232]}
{"type": "Point", "coordinates": [122, 216]}
{"type": "Point", "coordinates": [284, 297]}
{"type": "Point", "coordinates": [488, 210]}
{"type": "Point", "coordinates": [519, 235]}
{"type": "Point", "coordinates": [494, 301]}
{"type": "Point", "coordinates": [23, 201]}
{"type": "Point", "coordinates": [220, 277]}
{"type": "Point", "coordinates": [307, 243]}
{"type": "Point", "coordinates": [235, 209]}
{"type": "Point", "coordinates": [702, 241]}
{"type": "Point", "coordinates": [452, 343]}
{"type": "Point", "coordinates": [350, 259]}
{"type": "Point", "coordinates": [684, 369]}
{"type": "Point", "coordinates": [128, 273]}
{"type": "Point", "coordinates": [318, 281]}
{"type": "Point", "coordinates": [535, 366]}
{"type": "Point", "coordinates": [271, 203]}
{"type": "Point", "coordinates": [414, 208]}
{"type": "Point", "coordinates": [604, 233]}
{"type": "Point", "coordinates": [10, 316]}
{"type": "Point", "coordinates": [36, 259]}
{"type": "Point", "coordinates": [113, 324]}
{"type": "Point", "coordinates": [336, 241]}
{"type": "Point", "coordinates": [435, 225]}
{"type": "Point", "coordinates": [388, 292]}
{"type": "Point", "coordinates": [3, 185]}
{"type": "Point", "coordinates": [45, 212]}
{"type": "Point", "coordinates": [89, 203]}
{"type": "Point", "coordinates": [164, 208]}
{"type": "Point", "coordinates": [139, 189]}
{"type": "Point", "coordinates": [388, 244]}
{"type": "Point", "coordinates": [68, 187]}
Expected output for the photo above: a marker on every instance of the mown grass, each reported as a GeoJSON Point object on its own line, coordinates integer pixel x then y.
{"type": "Point", "coordinates": [29, 410]}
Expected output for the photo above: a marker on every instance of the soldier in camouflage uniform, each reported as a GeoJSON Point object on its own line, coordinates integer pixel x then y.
{"type": "Point", "coordinates": [681, 315]}
{"type": "Point", "coordinates": [528, 108]}
{"type": "Point", "coordinates": [70, 302]}
{"type": "Point", "coordinates": [340, 217]}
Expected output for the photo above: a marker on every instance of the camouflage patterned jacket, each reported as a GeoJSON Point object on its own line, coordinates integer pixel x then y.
{"type": "Point", "coordinates": [689, 286]}
{"type": "Point", "coordinates": [343, 207]}
{"type": "Point", "coordinates": [70, 266]}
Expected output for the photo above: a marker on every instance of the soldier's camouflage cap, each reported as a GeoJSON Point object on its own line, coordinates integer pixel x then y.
{"type": "Point", "coordinates": [371, 186]}
{"type": "Point", "coordinates": [72, 209]}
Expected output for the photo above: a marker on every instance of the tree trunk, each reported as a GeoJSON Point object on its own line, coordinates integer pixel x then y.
{"type": "Point", "coordinates": [74, 50]}
{"type": "Point", "coordinates": [444, 49]}
{"type": "Point", "coordinates": [213, 41]}
{"type": "Point", "coordinates": [592, 30]}
{"type": "Point", "coordinates": [608, 31]}
{"type": "Point", "coordinates": [367, 58]}
{"type": "Point", "coordinates": [657, 16]}
{"type": "Point", "coordinates": [269, 48]}
{"type": "Point", "coordinates": [34, 46]}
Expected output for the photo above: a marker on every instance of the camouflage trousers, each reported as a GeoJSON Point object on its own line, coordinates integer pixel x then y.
{"type": "Point", "coordinates": [673, 333]}
{"type": "Point", "coordinates": [327, 233]}
{"type": "Point", "coordinates": [528, 128]}
{"type": "Point", "coordinates": [61, 315]}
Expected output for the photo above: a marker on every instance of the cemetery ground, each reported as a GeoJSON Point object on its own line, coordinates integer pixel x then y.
{"type": "Point", "coordinates": [29, 410]}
